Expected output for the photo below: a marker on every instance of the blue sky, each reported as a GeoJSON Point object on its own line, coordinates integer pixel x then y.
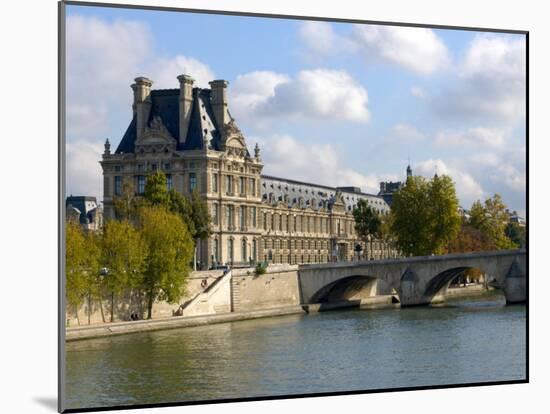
{"type": "Point", "coordinates": [332, 103]}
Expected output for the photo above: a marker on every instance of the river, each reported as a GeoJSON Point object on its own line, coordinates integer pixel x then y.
{"type": "Point", "coordinates": [463, 341]}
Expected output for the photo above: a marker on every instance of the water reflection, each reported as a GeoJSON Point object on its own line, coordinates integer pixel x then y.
{"type": "Point", "coordinates": [463, 341]}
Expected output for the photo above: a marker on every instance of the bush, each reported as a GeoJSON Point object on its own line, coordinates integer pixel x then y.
{"type": "Point", "coordinates": [261, 268]}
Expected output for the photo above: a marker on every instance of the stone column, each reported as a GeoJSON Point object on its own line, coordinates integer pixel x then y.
{"type": "Point", "coordinates": [514, 284]}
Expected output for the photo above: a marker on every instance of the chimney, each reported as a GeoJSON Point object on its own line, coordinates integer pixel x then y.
{"type": "Point", "coordinates": [186, 104]}
{"type": "Point", "coordinates": [219, 104]}
{"type": "Point", "coordinates": [142, 102]}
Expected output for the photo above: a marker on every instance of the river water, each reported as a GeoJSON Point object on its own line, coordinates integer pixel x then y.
{"type": "Point", "coordinates": [462, 341]}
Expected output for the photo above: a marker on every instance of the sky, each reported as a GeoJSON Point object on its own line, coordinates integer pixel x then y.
{"type": "Point", "coordinates": [336, 104]}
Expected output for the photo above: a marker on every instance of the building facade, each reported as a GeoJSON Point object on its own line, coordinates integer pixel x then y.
{"type": "Point", "coordinates": [85, 211]}
{"type": "Point", "coordinates": [190, 135]}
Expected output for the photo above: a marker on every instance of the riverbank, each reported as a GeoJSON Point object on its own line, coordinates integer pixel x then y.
{"type": "Point", "coordinates": [120, 328]}
{"type": "Point", "coordinates": [175, 322]}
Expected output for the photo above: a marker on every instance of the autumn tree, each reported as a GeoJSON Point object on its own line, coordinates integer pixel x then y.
{"type": "Point", "coordinates": [367, 222]}
{"type": "Point", "coordinates": [123, 255]}
{"type": "Point", "coordinates": [491, 219]}
{"type": "Point", "coordinates": [470, 239]}
{"type": "Point", "coordinates": [170, 250]}
{"type": "Point", "coordinates": [425, 215]}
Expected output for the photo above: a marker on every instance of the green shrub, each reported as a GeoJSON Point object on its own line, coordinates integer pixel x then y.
{"type": "Point", "coordinates": [261, 268]}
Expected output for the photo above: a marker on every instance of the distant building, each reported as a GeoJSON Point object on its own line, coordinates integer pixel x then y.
{"type": "Point", "coordinates": [516, 218]}
{"type": "Point", "coordinates": [388, 188]}
{"type": "Point", "coordinates": [85, 211]}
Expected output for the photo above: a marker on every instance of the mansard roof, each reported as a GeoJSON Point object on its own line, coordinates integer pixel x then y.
{"type": "Point", "coordinates": [165, 106]}
{"type": "Point", "coordinates": [315, 196]}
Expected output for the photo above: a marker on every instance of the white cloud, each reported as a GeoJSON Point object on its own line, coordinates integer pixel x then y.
{"type": "Point", "coordinates": [286, 157]}
{"type": "Point", "coordinates": [319, 93]}
{"type": "Point", "coordinates": [406, 133]}
{"type": "Point", "coordinates": [488, 159]}
{"type": "Point", "coordinates": [103, 58]}
{"type": "Point", "coordinates": [321, 40]}
{"type": "Point", "coordinates": [164, 71]}
{"type": "Point", "coordinates": [83, 169]}
{"type": "Point", "coordinates": [490, 82]}
{"type": "Point", "coordinates": [473, 137]}
{"type": "Point", "coordinates": [417, 49]}
{"type": "Point", "coordinates": [467, 188]}
{"type": "Point", "coordinates": [418, 92]}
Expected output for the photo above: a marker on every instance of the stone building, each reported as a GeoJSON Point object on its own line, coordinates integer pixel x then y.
{"type": "Point", "coordinates": [388, 188]}
{"type": "Point", "coordinates": [190, 135]}
{"type": "Point", "coordinates": [85, 211]}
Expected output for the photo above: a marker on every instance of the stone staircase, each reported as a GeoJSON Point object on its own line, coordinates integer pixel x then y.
{"type": "Point", "coordinates": [235, 295]}
{"type": "Point", "coordinates": [215, 298]}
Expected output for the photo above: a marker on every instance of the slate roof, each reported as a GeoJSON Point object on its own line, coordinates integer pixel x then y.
{"type": "Point", "coordinates": [165, 105]}
{"type": "Point", "coordinates": [315, 196]}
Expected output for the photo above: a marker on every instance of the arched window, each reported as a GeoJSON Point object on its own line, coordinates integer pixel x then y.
{"type": "Point", "coordinates": [254, 250]}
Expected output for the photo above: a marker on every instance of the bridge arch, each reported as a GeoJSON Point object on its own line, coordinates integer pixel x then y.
{"type": "Point", "coordinates": [443, 279]}
{"type": "Point", "coordinates": [350, 288]}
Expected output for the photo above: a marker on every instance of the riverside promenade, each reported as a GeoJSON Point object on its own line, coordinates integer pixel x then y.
{"type": "Point", "coordinates": [174, 322]}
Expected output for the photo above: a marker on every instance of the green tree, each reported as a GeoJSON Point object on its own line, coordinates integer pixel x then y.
{"type": "Point", "coordinates": [425, 215]}
{"type": "Point", "coordinates": [156, 191]}
{"type": "Point", "coordinates": [516, 233]}
{"type": "Point", "coordinates": [367, 222]}
{"type": "Point", "coordinates": [410, 223]}
{"type": "Point", "coordinates": [491, 219]}
{"type": "Point", "coordinates": [200, 217]}
{"type": "Point", "coordinates": [81, 266]}
{"type": "Point", "coordinates": [170, 249]}
{"type": "Point", "coordinates": [443, 206]}
{"type": "Point", "coordinates": [75, 263]}
{"type": "Point", "coordinates": [123, 255]}
{"type": "Point", "coordinates": [181, 205]}
{"type": "Point", "coordinates": [127, 203]}
{"type": "Point", "coordinates": [194, 212]}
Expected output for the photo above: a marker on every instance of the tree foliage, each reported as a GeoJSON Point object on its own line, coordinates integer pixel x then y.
{"type": "Point", "coordinates": [123, 255]}
{"type": "Point", "coordinates": [156, 192]}
{"type": "Point", "coordinates": [200, 217]}
{"type": "Point", "coordinates": [516, 234]}
{"type": "Point", "coordinates": [491, 220]}
{"type": "Point", "coordinates": [425, 215]}
{"type": "Point", "coordinates": [368, 224]}
{"type": "Point", "coordinates": [470, 239]}
{"type": "Point", "coordinates": [82, 265]}
{"type": "Point", "coordinates": [170, 250]}
{"type": "Point", "coordinates": [127, 203]}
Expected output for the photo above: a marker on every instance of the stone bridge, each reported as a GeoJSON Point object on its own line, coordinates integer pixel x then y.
{"type": "Point", "coordinates": [417, 280]}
